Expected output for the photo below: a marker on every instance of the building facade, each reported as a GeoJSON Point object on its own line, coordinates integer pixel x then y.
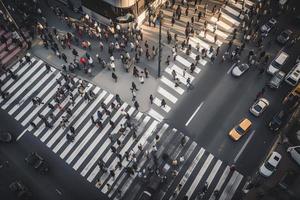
{"type": "Point", "coordinates": [120, 10]}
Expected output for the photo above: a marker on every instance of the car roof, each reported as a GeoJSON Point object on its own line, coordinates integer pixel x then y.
{"type": "Point", "coordinates": [245, 124]}
{"type": "Point", "coordinates": [275, 157]}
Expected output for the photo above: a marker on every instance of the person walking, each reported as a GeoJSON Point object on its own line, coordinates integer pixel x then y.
{"type": "Point", "coordinates": [151, 99]}
{"type": "Point", "coordinates": [133, 86]}
{"type": "Point", "coordinates": [136, 105]}
{"type": "Point", "coordinates": [163, 103]}
{"type": "Point", "coordinates": [133, 95]}
{"type": "Point", "coordinates": [114, 76]}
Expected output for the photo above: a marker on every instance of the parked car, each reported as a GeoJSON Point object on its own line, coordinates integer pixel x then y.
{"type": "Point", "coordinates": [241, 129]}
{"type": "Point", "coordinates": [267, 27]}
{"type": "Point", "coordinates": [5, 137]}
{"type": "Point", "coordinates": [270, 165]}
{"type": "Point", "coordinates": [259, 107]}
{"type": "Point", "coordinates": [284, 36]}
{"type": "Point", "coordinates": [20, 190]}
{"type": "Point", "coordinates": [239, 69]}
{"type": "Point", "coordinates": [37, 162]}
{"type": "Point", "coordinates": [295, 153]}
{"type": "Point", "coordinates": [277, 121]}
{"type": "Point", "coordinates": [277, 79]}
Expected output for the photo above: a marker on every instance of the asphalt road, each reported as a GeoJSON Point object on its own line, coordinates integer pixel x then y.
{"type": "Point", "coordinates": [224, 100]}
{"type": "Point", "coordinates": [60, 183]}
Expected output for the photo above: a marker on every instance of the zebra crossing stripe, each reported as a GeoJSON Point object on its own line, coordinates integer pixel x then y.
{"type": "Point", "coordinates": [231, 186]}
{"type": "Point", "coordinates": [37, 109]}
{"type": "Point", "coordinates": [167, 94]}
{"type": "Point", "coordinates": [203, 62]}
{"type": "Point", "coordinates": [169, 83]}
{"type": "Point", "coordinates": [199, 175]}
{"type": "Point", "coordinates": [217, 32]}
{"type": "Point", "coordinates": [231, 10]}
{"type": "Point", "coordinates": [83, 115]}
{"type": "Point", "coordinates": [56, 124]}
{"type": "Point", "coordinates": [194, 40]}
{"type": "Point", "coordinates": [157, 102]}
{"type": "Point", "coordinates": [192, 167]}
{"type": "Point", "coordinates": [155, 115]}
{"type": "Point", "coordinates": [186, 157]}
{"type": "Point", "coordinates": [93, 145]}
{"type": "Point", "coordinates": [181, 78]}
{"type": "Point", "coordinates": [221, 181]}
{"type": "Point", "coordinates": [180, 71]}
{"type": "Point", "coordinates": [29, 93]}
{"type": "Point", "coordinates": [232, 20]}
{"type": "Point", "coordinates": [19, 73]}
{"type": "Point", "coordinates": [78, 122]}
{"type": "Point", "coordinates": [213, 172]}
{"type": "Point", "coordinates": [142, 140]}
{"type": "Point", "coordinates": [20, 81]}
{"type": "Point", "coordinates": [86, 139]}
{"type": "Point", "coordinates": [97, 169]}
{"type": "Point", "coordinates": [42, 92]}
{"type": "Point", "coordinates": [129, 181]}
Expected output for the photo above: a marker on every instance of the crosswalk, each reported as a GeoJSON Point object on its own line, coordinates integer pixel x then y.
{"type": "Point", "coordinates": [92, 143]}
{"type": "Point", "coordinates": [230, 19]}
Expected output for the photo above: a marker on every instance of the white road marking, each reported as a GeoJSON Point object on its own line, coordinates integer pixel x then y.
{"type": "Point", "coordinates": [221, 181]}
{"type": "Point", "coordinates": [244, 146]}
{"type": "Point", "coordinates": [157, 102]}
{"type": "Point", "coordinates": [213, 172]}
{"type": "Point", "coordinates": [193, 115]}
{"type": "Point", "coordinates": [155, 115]}
{"type": "Point", "coordinates": [167, 94]}
{"type": "Point", "coordinates": [169, 83]}
{"type": "Point", "coordinates": [19, 137]}
{"type": "Point", "coordinates": [231, 186]}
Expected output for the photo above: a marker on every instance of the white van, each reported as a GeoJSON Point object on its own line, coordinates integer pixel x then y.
{"type": "Point", "coordinates": [295, 153]}
{"type": "Point", "coordinates": [278, 62]}
{"type": "Point", "coordinates": [293, 76]}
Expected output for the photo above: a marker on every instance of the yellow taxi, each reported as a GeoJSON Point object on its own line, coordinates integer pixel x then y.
{"type": "Point", "coordinates": [241, 129]}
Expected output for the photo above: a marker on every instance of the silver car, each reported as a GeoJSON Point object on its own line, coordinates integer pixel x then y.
{"type": "Point", "coordinates": [239, 69]}
{"type": "Point", "coordinates": [277, 79]}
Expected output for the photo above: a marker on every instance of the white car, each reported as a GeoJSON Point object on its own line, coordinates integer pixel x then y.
{"type": "Point", "coordinates": [259, 107]}
{"type": "Point", "coordinates": [277, 79]}
{"type": "Point", "coordinates": [267, 27]}
{"type": "Point", "coordinates": [239, 69]}
{"type": "Point", "coordinates": [270, 164]}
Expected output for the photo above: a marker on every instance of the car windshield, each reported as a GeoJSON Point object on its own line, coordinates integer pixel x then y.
{"type": "Point", "coordinates": [239, 130]}
{"type": "Point", "coordinates": [257, 108]}
{"type": "Point", "coordinates": [269, 166]}
{"type": "Point", "coordinates": [242, 67]}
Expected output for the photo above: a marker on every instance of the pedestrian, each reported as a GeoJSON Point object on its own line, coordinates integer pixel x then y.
{"type": "Point", "coordinates": [168, 60]}
{"type": "Point", "coordinates": [33, 124]}
{"type": "Point", "coordinates": [163, 103]}
{"type": "Point", "coordinates": [146, 72]}
{"type": "Point", "coordinates": [183, 141]}
{"type": "Point", "coordinates": [64, 57]}
{"type": "Point", "coordinates": [48, 68]}
{"type": "Point", "coordinates": [140, 147]}
{"type": "Point", "coordinates": [133, 86]}
{"type": "Point", "coordinates": [151, 99]}
{"type": "Point", "coordinates": [141, 79]}
{"type": "Point", "coordinates": [112, 124]}
{"type": "Point", "coordinates": [174, 74]}
{"type": "Point", "coordinates": [188, 83]}
{"type": "Point", "coordinates": [192, 68]}
{"type": "Point", "coordinates": [136, 105]}
{"type": "Point", "coordinates": [133, 95]}
{"type": "Point", "coordinates": [114, 76]}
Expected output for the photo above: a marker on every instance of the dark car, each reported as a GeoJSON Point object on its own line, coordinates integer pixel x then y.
{"type": "Point", "coordinates": [20, 190]}
{"type": "Point", "coordinates": [5, 137]}
{"type": "Point", "coordinates": [277, 121]}
{"type": "Point", "coordinates": [284, 36]}
{"type": "Point", "coordinates": [37, 162]}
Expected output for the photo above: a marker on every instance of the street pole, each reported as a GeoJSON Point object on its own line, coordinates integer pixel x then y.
{"type": "Point", "coordinates": [159, 44]}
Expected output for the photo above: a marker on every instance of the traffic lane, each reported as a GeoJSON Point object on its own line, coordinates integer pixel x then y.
{"type": "Point", "coordinates": [61, 178]}
{"type": "Point", "coordinates": [222, 110]}
{"type": "Point", "coordinates": [204, 83]}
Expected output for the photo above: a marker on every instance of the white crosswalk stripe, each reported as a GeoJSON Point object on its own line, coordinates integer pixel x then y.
{"type": "Point", "coordinates": [92, 143]}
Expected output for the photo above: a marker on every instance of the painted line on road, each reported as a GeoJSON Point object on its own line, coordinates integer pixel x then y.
{"type": "Point", "coordinates": [230, 69]}
{"type": "Point", "coordinates": [193, 115]}
{"type": "Point", "coordinates": [244, 146]}
{"type": "Point", "coordinates": [19, 137]}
